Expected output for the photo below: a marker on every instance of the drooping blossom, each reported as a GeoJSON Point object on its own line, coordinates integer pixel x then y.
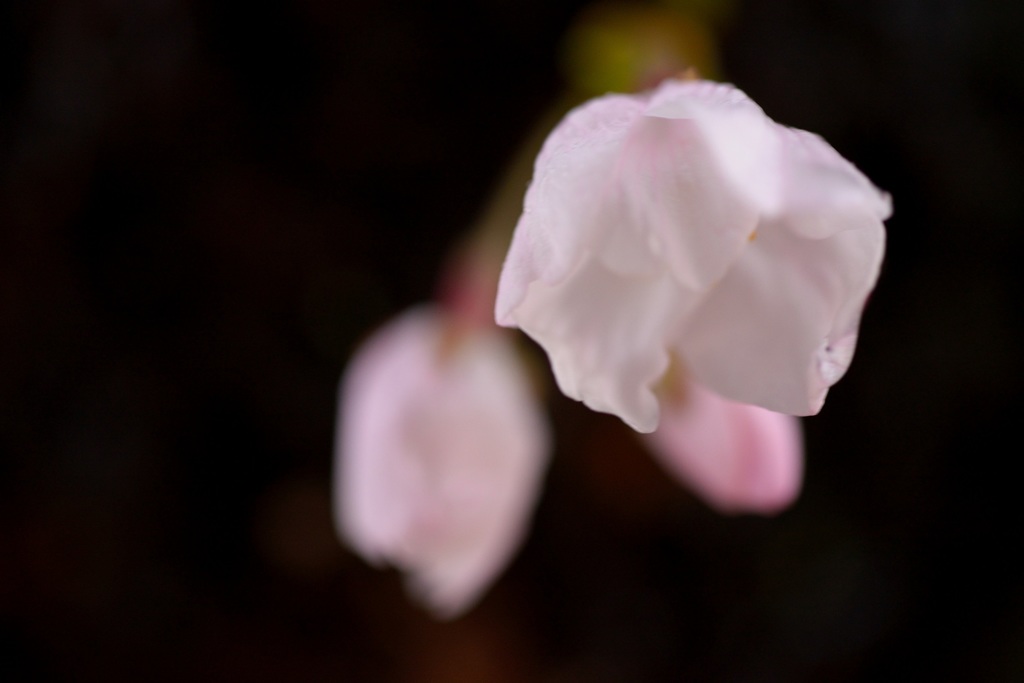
{"type": "Point", "coordinates": [684, 223]}
{"type": "Point", "coordinates": [440, 450]}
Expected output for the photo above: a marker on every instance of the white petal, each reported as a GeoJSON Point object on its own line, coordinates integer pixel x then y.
{"type": "Point", "coordinates": [780, 328]}
{"type": "Point", "coordinates": [823, 192]}
{"type": "Point", "coordinates": [564, 209]}
{"type": "Point", "coordinates": [743, 143]}
{"type": "Point", "coordinates": [670, 198]}
{"type": "Point", "coordinates": [439, 457]}
{"type": "Point", "coordinates": [605, 336]}
{"type": "Point", "coordinates": [737, 457]}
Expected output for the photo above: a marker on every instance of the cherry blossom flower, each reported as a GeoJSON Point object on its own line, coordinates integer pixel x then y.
{"type": "Point", "coordinates": [441, 448]}
{"type": "Point", "coordinates": [684, 223]}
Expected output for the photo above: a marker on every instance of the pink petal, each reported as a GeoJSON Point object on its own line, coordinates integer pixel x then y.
{"type": "Point", "coordinates": [440, 451]}
{"type": "Point", "coordinates": [604, 337]}
{"type": "Point", "coordinates": [737, 457]}
{"type": "Point", "coordinates": [670, 200]}
{"type": "Point", "coordinates": [743, 143]}
{"type": "Point", "coordinates": [563, 213]}
{"type": "Point", "coordinates": [823, 193]}
{"type": "Point", "coordinates": [780, 328]}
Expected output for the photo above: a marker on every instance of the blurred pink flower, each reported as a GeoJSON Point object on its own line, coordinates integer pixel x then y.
{"type": "Point", "coordinates": [739, 458]}
{"type": "Point", "coordinates": [441, 448]}
{"type": "Point", "coordinates": [685, 223]}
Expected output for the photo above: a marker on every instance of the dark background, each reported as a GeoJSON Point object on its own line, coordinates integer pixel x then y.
{"type": "Point", "coordinates": [205, 206]}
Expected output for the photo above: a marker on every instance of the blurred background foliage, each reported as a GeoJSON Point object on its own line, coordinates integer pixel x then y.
{"type": "Point", "coordinates": [205, 206]}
